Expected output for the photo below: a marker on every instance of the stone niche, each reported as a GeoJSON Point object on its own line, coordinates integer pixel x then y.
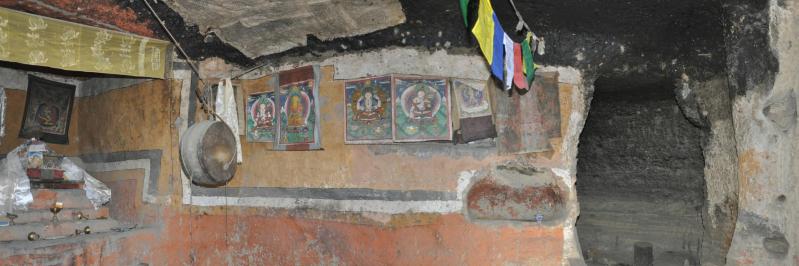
{"type": "Point", "coordinates": [516, 192]}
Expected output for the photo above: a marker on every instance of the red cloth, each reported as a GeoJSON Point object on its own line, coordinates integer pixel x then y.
{"type": "Point", "coordinates": [518, 74]}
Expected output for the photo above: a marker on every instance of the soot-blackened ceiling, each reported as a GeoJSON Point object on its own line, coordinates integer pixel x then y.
{"type": "Point", "coordinates": [602, 37]}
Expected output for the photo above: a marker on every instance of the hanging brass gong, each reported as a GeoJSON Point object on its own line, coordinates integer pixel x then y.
{"type": "Point", "coordinates": [208, 153]}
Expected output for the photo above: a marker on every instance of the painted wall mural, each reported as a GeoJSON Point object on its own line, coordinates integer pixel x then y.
{"type": "Point", "coordinates": [421, 109]}
{"type": "Point", "coordinates": [369, 110]}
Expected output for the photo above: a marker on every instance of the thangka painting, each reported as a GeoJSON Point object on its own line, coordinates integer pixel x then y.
{"type": "Point", "coordinates": [368, 109]}
{"type": "Point", "coordinates": [261, 118]}
{"type": "Point", "coordinates": [527, 122]}
{"type": "Point", "coordinates": [472, 98]}
{"type": "Point", "coordinates": [421, 109]}
{"type": "Point", "coordinates": [473, 107]}
{"type": "Point", "coordinates": [298, 112]}
{"type": "Point", "coordinates": [48, 109]}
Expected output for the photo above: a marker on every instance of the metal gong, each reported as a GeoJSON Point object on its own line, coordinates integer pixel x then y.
{"type": "Point", "coordinates": [208, 153]}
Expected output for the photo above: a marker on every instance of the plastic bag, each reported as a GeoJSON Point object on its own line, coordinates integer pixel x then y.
{"type": "Point", "coordinates": [97, 192]}
{"type": "Point", "coordinates": [15, 188]}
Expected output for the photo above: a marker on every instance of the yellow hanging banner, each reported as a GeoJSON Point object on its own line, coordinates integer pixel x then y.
{"type": "Point", "coordinates": [483, 29]}
{"type": "Point", "coordinates": [41, 41]}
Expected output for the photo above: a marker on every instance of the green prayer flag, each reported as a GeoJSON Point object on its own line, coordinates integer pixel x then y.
{"type": "Point", "coordinates": [465, 11]}
{"type": "Point", "coordinates": [527, 55]}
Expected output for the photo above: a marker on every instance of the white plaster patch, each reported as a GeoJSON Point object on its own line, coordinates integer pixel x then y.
{"type": "Point", "coordinates": [464, 180]}
{"type": "Point", "coordinates": [565, 174]}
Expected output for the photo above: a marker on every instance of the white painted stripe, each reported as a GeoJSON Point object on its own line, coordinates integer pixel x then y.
{"type": "Point", "coordinates": [378, 206]}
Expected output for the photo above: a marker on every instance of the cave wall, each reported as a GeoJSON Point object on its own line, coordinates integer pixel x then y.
{"type": "Point", "coordinates": [347, 204]}
{"type": "Point", "coordinates": [764, 115]}
{"type": "Point", "coordinates": [639, 146]}
{"type": "Point", "coordinates": [331, 222]}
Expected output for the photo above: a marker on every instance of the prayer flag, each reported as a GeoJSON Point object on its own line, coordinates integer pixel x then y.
{"type": "Point", "coordinates": [465, 11]}
{"type": "Point", "coordinates": [499, 39]}
{"type": "Point", "coordinates": [483, 29]}
{"type": "Point", "coordinates": [518, 73]}
{"type": "Point", "coordinates": [508, 61]}
{"type": "Point", "coordinates": [527, 54]}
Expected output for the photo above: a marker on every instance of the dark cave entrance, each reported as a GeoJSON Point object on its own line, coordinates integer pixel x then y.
{"type": "Point", "coordinates": [640, 175]}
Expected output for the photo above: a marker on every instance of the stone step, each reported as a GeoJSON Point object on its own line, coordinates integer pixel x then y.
{"type": "Point", "coordinates": [43, 199]}
{"type": "Point", "coordinates": [54, 231]}
{"type": "Point", "coordinates": [34, 216]}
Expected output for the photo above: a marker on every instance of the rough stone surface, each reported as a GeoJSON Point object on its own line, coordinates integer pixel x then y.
{"type": "Point", "coordinates": [639, 173]}
{"type": "Point", "coordinates": [637, 144]}
{"type": "Point", "coordinates": [721, 175]}
{"type": "Point", "coordinates": [258, 28]}
{"type": "Point", "coordinates": [776, 245]}
{"type": "Point", "coordinates": [766, 137]}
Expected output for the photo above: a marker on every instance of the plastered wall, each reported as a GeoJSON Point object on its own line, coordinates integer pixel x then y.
{"type": "Point", "coordinates": [344, 205]}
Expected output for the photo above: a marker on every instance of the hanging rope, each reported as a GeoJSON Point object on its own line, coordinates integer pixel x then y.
{"type": "Point", "coordinates": [203, 100]}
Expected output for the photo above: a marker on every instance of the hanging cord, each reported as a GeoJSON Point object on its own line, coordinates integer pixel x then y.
{"type": "Point", "coordinates": [521, 24]}
{"type": "Point", "coordinates": [203, 100]}
{"type": "Point", "coordinates": [203, 103]}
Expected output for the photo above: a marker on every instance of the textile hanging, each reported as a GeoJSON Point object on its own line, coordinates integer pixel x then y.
{"type": "Point", "coordinates": [41, 41]}
{"type": "Point", "coordinates": [509, 67]}
{"type": "Point", "coordinates": [421, 109]}
{"type": "Point", "coordinates": [483, 29]}
{"type": "Point", "coordinates": [498, 58]}
{"type": "Point", "coordinates": [48, 110]}
{"type": "Point", "coordinates": [465, 11]}
{"type": "Point", "coordinates": [369, 111]}
{"type": "Point", "coordinates": [226, 108]}
{"type": "Point", "coordinates": [527, 55]}
{"type": "Point", "coordinates": [518, 72]}
{"type": "Point", "coordinates": [298, 109]}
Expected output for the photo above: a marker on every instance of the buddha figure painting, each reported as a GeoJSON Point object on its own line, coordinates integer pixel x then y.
{"type": "Point", "coordinates": [297, 113]}
{"type": "Point", "coordinates": [261, 117]}
{"type": "Point", "coordinates": [368, 111]}
{"type": "Point", "coordinates": [471, 98]}
{"type": "Point", "coordinates": [422, 109]}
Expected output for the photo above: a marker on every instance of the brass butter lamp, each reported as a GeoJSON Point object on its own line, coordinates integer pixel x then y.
{"type": "Point", "coordinates": [55, 209]}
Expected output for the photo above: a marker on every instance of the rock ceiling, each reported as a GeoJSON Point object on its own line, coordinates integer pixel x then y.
{"type": "Point", "coordinates": [257, 27]}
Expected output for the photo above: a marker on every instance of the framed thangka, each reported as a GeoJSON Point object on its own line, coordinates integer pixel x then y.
{"type": "Point", "coordinates": [368, 109]}
{"type": "Point", "coordinates": [421, 109]}
{"type": "Point", "coordinates": [473, 110]}
{"type": "Point", "coordinates": [261, 117]}
{"type": "Point", "coordinates": [48, 108]}
{"type": "Point", "coordinates": [298, 112]}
